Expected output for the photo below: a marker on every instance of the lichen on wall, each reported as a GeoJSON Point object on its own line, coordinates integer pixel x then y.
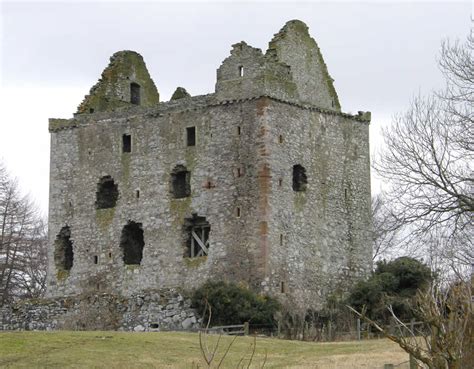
{"type": "Point", "coordinates": [114, 88]}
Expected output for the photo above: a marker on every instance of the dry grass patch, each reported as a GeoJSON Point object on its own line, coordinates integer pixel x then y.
{"type": "Point", "coordinates": [181, 350]}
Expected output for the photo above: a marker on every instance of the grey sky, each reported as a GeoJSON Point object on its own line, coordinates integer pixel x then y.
{"type": "Point", "coordinates": [380, 55]}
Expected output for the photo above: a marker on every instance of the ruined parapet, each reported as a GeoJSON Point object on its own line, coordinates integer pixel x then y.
{"type": "Point", "coordinates": [124, 82]}
{"type": "Point", "coordinates": [180, 93]}
{"type": "Point", "coordinates": [294, 46]}
{"type": "Point", "coordinates": [248, 73]}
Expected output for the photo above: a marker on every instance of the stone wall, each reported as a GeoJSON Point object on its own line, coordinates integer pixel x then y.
{"type": "Point", "coordinates": [237, 150]}
{"type": "Point", "coordinates": [146, 311]}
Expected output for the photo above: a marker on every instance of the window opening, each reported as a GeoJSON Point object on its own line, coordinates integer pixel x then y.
{"type": "Point", "coordinates": [63, 251]}
{"type": "Point", "coordinates": [96, 259]}
{"type": "Point", "coordinates": [300, 180]}
{"type": "Point", "coordinates": [281, 240]}
{"type": "Point", "coordinates": [91, 110]}
{"type": "Point", "coordinates": [280, 139]}
{"type": "Point", "coordinates": [137, 194]}
{"type": "Point", "coordinates": [197, 231]}
{"type": "Point", "coordinates": [132, 243]}
{"type": "Point", "coordinates": [191, 136]}
{"type": "Point", "coordinates": [135, 93]}
{"type": "Point", "coordinates": [107, 193]}
{"type": "Point", "coordinates": [110, 255]}
{"type": "Point", "coordinates": [238, 130]}
{"type": "Point", "coordinates": [180, 182]}
{"type": "Point", "coordinates": [239, 172]}
{"type": "Point", "coordinates": [126, 143]}
{"type": "Point", "coordinates": [238, 212]}
{"type": "Point", "coordinates": [280, 182]}
{"type": "Point", "coordinates": [282, 287]}
{"type": "Point", "coordinates": [241, 71]}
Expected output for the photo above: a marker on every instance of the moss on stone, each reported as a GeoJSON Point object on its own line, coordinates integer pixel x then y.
{"type": "Point", "coordinates": [299, 200]}
{"type": "Point", "coordinates": [180, 93]}
{"type": "Point", "coordinates": [62, 274]}
{"type": "Point", "coordinates": [104, 217]}
{"type": "Point", "coordinates": [125, 160]}
{"type": "Point", "coordinates": [180, 208]}
{"type": "Point", "coordinates": [56, 124]}
{"type": "Point", "coordinates": [112, 91]}
{"type": "Point", "coordinates": [195, 262]}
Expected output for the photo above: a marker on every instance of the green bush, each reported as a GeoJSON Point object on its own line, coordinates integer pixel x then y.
{"type": "Point", "coordinates": [393, 283]}
{"type": "Point", "coordinates": [232, 304]}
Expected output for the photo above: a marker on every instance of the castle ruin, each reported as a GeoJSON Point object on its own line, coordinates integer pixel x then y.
{"type": "Point", "coordinates": [264, 182]}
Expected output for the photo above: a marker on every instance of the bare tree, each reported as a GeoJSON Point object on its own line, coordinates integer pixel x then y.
{"type": "Point", "coordinates": [385, 229]}
{"type": "Point", "coordinates": [22, 243]}
{"type": "Point", "coordinates": [445, 340]}
{"type": "Point", "coordinates": [427, 160]}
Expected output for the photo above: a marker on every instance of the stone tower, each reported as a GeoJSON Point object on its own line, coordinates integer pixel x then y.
{"type": "Point", "coordinates": [264, 182]}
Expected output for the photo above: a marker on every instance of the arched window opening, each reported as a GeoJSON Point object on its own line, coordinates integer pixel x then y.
{"type": "Point", "coordinates": [135, 93]}
{"type": "Point", "coordinates": [197, 230]}
{"type": "Point", "coordinates": [180, 182]}
{"type": "Point", "coordinates": [63, 252]}
{"type": "Point", "coordinates": [300, 180]}
{"type": "Point", "coordinates": [107, 193]}
{"type": "Point", "coordinates": [132, 243]}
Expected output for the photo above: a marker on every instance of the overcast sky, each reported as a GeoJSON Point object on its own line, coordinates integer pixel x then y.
{"type": "Point", "coordinates": [380, 55]}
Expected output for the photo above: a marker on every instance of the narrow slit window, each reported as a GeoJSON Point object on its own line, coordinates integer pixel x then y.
{"type": "Point", "coordinates": [280, 182]}
{"type": "Point", "coordinates": [135, 93]}
{"type": "Point", "coordinates": [238, 212]}
{"type": "Point", "coordinates": [241, 71]}
{"type": "Point", "coordinates": [280, 139]}
{"type": "Point", "coordinates": [238, 131]}
{"type": "Point", "coordinates": [282, 287]}
{"type": "Point", "coordinates": [96, 259]}
{"type": "Point", "coordinates": [191, 136]}
{"type": "Point", "coordinates": [281, 240]}
{"type": "Point", "coordinates": [126, 143]}
{"type": "Point", "coordinates": [137, 194]}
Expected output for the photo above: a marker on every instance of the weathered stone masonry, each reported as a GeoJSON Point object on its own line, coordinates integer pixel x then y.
{"type": "Point", "coordinates": [264, 182]}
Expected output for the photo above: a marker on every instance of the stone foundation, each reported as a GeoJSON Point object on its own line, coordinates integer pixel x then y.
{"type": "Point", "coordinates": [144, 311]}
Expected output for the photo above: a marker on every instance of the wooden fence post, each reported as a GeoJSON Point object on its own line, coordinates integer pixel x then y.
{"type": "Point", "coordinates": [246, 328]}
{"type": "Point", "coordinates": [358, 329]}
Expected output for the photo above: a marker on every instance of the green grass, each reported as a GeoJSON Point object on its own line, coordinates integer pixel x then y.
{"type": "Point", "coordinates": [181, 350]}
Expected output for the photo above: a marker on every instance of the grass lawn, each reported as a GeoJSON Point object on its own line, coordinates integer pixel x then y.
{"type": "Point", "coordinates": [181, 350]}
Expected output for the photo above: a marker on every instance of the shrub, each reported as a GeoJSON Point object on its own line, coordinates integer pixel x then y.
{"type": "Point", "coordinates": [232, 304]}
{"type": "Point", "coordinates": [392, 283]}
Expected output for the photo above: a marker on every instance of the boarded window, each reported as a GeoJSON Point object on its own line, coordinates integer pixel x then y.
{"type": "Point", "coordinates": [63, 252]}
{"type": "Point", "coordinates": [126, 143]}
{"type": "Point", "coordinates": [107, 193]}
{"type": "Point", "coordinates": [180, 182]}
{"type": "Point", "coordinates": [197, 230]}
{"type": "Point", "coordinates": [300, 180]}
{"type": "Point", "coordinates": [135, 93]}
{"type": "Point", "coordinates": [132, 243]}
{"type": "Point", "coordinates": [191, 136]}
